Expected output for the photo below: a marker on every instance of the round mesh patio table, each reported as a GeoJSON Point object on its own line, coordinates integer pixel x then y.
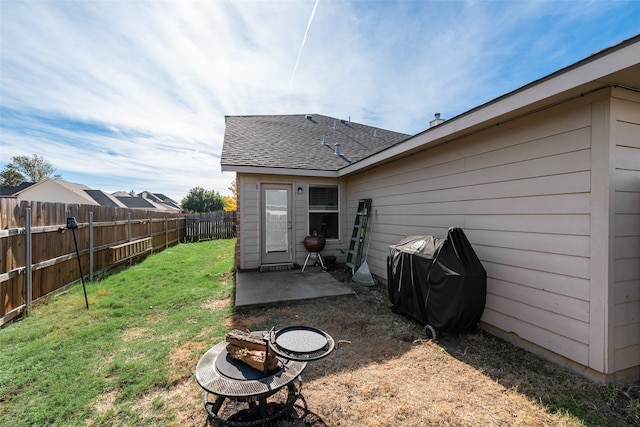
{"type": "Point", "coordinates": [223, 378]}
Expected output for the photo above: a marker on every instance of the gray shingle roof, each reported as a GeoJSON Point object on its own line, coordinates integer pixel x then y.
{"type": "Point", "coordinates": [10, 190]}
{"type": "Point", "coordinates": [166, 200]}
{"type": "Point", "coordinates": [135, 202]}
{"type": "Point", "coordinates": [102, 198]}
{"type": "Point", "coordinates": [295, 141]}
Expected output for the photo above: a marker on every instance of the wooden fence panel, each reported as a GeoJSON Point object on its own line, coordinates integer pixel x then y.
{"type": "Point", "coordinates": [54, 262]}
{"type": "Point", "coordinates": [210, 225]}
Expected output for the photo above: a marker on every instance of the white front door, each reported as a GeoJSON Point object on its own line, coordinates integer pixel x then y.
{"type": "Point", "coordinates": [276, 224]}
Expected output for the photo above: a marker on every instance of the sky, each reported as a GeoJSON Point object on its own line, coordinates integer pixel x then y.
{"type": "Point", "coordinates": [132, 95]}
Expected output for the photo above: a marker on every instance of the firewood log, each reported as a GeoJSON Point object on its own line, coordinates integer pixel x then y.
{"type": "Point", "coordinates": [246, 340]}
{"type": "Point", "coordinates": [253, 358]}
{"type": "Point", "coordinates": [250, 349]}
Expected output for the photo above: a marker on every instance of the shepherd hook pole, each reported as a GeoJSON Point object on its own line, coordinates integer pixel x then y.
{"type": "Point", "coordinates": [86, 301]}
{"type": "Point", "coordinates": [72, 224]}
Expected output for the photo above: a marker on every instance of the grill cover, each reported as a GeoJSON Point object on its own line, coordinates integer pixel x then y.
{"type": "Point", "coordinates": [437, 282]}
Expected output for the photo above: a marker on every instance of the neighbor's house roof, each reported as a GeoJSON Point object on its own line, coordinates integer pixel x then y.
{"type": "Point", "coordinates": [160, 199]}
{"type": "Point", "coordinates": [104, 199]}
{"type": "Point", "coordinates": [291, 144]}
{"type": "Point", "coordinates": [29, 191]}
{"type": "Point", "coordinates": [146, 200]}
{"type": "Point", "coordinates": [135, 202]}
{"type": "Point", "coordinates": [12, 190]}
{"type": "Point", "coordinates": [301, 143]}
{"type": "Point", "coordinates": [58, 191]}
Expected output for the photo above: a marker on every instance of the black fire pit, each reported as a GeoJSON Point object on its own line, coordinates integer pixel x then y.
{"type": "Point", "coordinates": [225, 378]}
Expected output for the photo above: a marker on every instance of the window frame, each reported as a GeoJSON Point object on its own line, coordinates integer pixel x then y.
{"type": "Point", "coordinates": [325, 211]}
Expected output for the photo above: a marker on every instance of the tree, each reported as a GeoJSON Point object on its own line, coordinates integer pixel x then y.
{"type": "Point", "coordinates": [27, 169]}
{"type": "Point", "coordinates": [231, 202]}
{"type": "Point", "coordinates": [10, 176]}
{"type": "Point", "coordinates": [201, 200]}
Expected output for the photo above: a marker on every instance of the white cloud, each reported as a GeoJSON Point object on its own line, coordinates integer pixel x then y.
{"type": "Point", "coordinates": [134, 94]}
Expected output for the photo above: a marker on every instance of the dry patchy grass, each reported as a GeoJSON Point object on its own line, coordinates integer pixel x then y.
{"type": "Point", "coordinates": [390, 375]}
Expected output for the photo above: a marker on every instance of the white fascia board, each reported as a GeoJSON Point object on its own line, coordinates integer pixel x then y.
{"type": "Point", "coordinates": [281, 171]}
{"type": "Point", "coordinates": [595, 71]}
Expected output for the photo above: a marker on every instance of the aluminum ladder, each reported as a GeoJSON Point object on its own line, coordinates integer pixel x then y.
{"type": "Point", "coordinates": [354, 254]}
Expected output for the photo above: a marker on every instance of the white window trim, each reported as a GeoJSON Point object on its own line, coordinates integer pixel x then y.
{"type": "Point", "coordinates": [338, 211]}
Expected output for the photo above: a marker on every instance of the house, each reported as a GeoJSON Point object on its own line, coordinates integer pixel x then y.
{"type": "Point", "coordinates": [160, 200]}
{"type": "Point", "coordinates": [288, 179]}
{"type": "Point", "coordinates": [59, 191]}
{"type": "Point", "coordinates": [11, 190]}
{"type": "Point", "coordinates": [146, 200]}
{"type": "Point", "coordinates": [544, 180]}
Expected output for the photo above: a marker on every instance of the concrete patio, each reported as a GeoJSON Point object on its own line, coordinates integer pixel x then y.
{"type": "Point", "coordinates": [253, 288]}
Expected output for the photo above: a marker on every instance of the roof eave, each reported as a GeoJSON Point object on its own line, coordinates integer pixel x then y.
{"type": "Point", "coordinates": [597, 71]}
{"type": "Point", "coordinates": [280, 171]}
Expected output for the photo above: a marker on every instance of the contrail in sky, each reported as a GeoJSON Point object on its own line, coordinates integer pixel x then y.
{"type": "Point", "coordinates": [304, 39]}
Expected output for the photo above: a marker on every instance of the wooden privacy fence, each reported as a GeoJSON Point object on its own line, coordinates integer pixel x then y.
{"type": "Point", "coordinates": [38, 255]}
{"type": "Point", "coordinates": [210, 225]}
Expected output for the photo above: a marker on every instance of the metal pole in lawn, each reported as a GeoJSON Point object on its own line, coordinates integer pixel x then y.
{"type": "Point", "coordinates": [72, 224]}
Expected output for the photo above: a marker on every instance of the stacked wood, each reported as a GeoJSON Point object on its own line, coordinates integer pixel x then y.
{"type": "Point", "coordinates": [250, 349]}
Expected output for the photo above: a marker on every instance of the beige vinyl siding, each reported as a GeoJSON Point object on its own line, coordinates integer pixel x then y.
{"type": "Point", "coordinates": [626, 317]}
{"type": "Point", "coordinates": [249, 212]}
{"type": "Point", "coordinates": [521, 193]}
{"type": "Point", "coordinates": [301, 222]}
{"type": "Point", "coordinates": [249, 194]}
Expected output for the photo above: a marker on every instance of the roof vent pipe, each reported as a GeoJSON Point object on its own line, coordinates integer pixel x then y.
{"type": "Point", "coordinates": [338, 149]}
{"type": "Point", "coordinates": [335, 124]}
{"type": "Point", "coordinates": [436, 121]}
{"type": "Point", "coordinates": [324, 140]}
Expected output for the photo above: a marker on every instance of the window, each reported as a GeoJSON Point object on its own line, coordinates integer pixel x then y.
{"type": "Point", "coordinates": [324, 211]}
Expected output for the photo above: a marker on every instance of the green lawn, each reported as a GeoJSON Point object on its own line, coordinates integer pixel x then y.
{"type": "Point", "coordinates": [55, 364]}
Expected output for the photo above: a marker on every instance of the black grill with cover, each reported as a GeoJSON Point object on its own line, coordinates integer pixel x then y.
{"type": "Point", "coordinates": [438, 282]}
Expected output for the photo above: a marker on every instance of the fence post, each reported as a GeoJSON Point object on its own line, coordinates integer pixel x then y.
{"type": "Point", "coordinates": [27, 232]}
{"type": "Point", "coordinates": [166, 233]}
{"type": "Point", "coordinates": [129, 235]}
{"type": "Point", "coordinates": [91, 246]}
{"type": "Point", "coordinates": [128, 227]}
